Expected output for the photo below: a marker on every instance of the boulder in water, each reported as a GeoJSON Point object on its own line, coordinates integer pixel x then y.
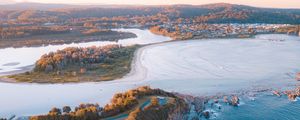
{"type": "Point", "coordinates": [225, 99]}
{"type": "Point", "coordinates": [234, 101]}
{"type": "Point", "coordinates": [292, 96]}
{"type": "Point", "coordinates": [206, 114]}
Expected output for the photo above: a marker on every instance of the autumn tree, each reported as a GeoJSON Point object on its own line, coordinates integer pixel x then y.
{"type": "Point", "coordinates": [67, 109]}
{"type": "Point", "coordinates": [55, 111]}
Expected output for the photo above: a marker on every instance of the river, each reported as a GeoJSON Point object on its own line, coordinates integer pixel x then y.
{"type": "Point", "coordinates": [195, 67]}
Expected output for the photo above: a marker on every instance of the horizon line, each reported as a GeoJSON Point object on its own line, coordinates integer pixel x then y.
{"type": "Point", "coordinates": [105, 4]}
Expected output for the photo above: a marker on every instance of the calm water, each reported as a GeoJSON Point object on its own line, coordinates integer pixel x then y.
{"type": "Point", "coordinates": [22, 57]}
{"type": "Point", "coordinates": [198, 67]}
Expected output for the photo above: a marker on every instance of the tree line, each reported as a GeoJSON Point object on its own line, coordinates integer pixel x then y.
{"type": "Point", "coordinates": [120, 102]}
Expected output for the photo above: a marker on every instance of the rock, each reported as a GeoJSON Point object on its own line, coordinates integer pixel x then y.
{"type": "Point", "coordinates": [276, 93]}
{"type": "Point", "coordinates": [292, 96]}
{"type": "Point", "coordinates": [206, 114]}
{"type": "Point", "coordinates": [12, 117]}
{"type": "Point", "coordinates": [234, 101]}
{"type": "Point", "coordinates": [216, 101]}
{"type": "Point", "coordinates": [298, 76]}
{"type": "Point", "coordinates": [225, 99]}
{"type": "Point", "coordinates": [287, 92]}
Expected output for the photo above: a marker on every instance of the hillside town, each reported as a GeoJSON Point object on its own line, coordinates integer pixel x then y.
{"type": "Point", "coordinates": [200, 31]}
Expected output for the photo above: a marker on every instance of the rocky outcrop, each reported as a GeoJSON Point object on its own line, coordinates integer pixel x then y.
{"type": "Point", "coordinates": [234, 101]}
{"type": "Point", "coordinates": [293, 94]}
{"type": "Point", "coordinates": [277, 93]}
{"type": "Point", "coordinates": [206, 114]}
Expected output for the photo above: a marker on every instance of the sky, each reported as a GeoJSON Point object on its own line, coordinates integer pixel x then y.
{"type": "Point", "coordinates": [258, 3]}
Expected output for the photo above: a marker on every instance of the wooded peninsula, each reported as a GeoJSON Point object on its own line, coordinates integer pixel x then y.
{"type": "Point", "coordinates": [81, 65]}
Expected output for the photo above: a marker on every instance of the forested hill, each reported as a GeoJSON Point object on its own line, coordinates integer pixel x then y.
{"type": "Point", "coordinates": [230, 13]}
{"type": "Point", "coordinates": [211, 13]}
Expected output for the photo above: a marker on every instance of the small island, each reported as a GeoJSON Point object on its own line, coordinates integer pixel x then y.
{"type": "Point", "coordinates": [73, 64]}
{"type": "Point", "coordinates": [142, 103]}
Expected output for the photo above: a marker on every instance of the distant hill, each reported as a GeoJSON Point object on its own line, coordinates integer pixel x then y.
{"type": "Point", "coordinates": [210, 13]}
{"type": "Point", "coordinates": [230, 13]}
{"type": "Point", "coordinates": [33, 6]}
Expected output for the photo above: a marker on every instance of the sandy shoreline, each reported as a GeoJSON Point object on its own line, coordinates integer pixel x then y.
{"type": "Point", "coordinates": [137, 72]}
{"type": "Point", "coordinates": [20, 70]}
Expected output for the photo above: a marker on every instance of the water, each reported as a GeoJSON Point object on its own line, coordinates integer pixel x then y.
{"type": "Point", "coordinates": [263, 107]}
{"type": "Point", "coordinates": [198, 67]}
{"type": "Point", "coordinates": [26, 56]}
{"type": "Point", "coordinates": [213, 66]}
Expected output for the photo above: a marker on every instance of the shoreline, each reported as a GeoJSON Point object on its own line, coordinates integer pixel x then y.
{"type": "Point", "coordinates": [47, 41]}
{"type": "Point", "coordinates": [136, 77]}
{"type": "Point", "coordinates": [5, 79]}
{"type": "Point", "coordinates": [137, 69]}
